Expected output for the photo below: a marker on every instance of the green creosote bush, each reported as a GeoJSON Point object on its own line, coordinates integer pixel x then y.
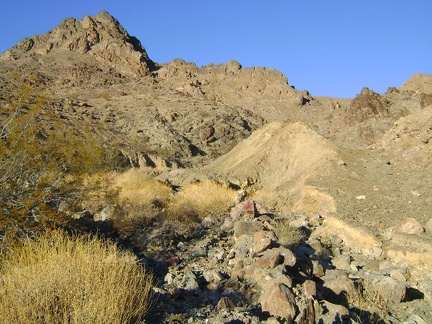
{"type": "Point", "coordinates": [63, 279]}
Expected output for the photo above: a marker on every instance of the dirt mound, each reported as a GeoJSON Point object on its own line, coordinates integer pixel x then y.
{"type": "Point", "coordinates": [279, 155]}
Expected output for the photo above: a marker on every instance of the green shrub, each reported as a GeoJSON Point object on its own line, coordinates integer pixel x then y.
{"type": "Point", "coordinates": [59, 279]}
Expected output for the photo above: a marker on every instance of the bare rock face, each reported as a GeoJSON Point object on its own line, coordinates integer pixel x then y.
{"type": "Point", "coordinates": [408, 143]}
{"type": "Point", "coordinates": [100, 36]}
{"type": "Point", "coordinates": [279, 154]}
{"type": "Point", "coordinates": [366, 105]}
{"type": "Point", "coordinates": [418, 83]}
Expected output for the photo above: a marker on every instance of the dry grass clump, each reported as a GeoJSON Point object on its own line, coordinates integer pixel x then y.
{"type": "Point", "coordinates": [198, 200]}
{"type": "Point", "coordinates": [59, 279]}
{"type": "Point", "coordinates": [369, 305]}
{"type": "Point", "coordinates": [140, 198]}
{"type": "Point", "coordinates": [138, 187]}
{"type": "Point", "coordinates": [288, 236]}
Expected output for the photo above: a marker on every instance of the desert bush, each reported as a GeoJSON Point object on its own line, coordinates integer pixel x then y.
{"type": "Point", "coordinates": [60, 279]}
{"type": "Point", "coordinates": [368, 305]}
{"type": "Point", "coordinates": [140, 198]}
{"type": "Point", "coordinates": [43, 158]}
{"type": "Point", "coordinates": [198, 200]}
{"type": "Point", "coordinates": [288, 236]}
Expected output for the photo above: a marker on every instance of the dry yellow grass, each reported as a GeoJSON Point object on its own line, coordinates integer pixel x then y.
{"type": "Point", "coordinates": [140, 198]}
{"type": "Point", "coordinates": [137, 187]}
{"type": "Point", "coordinates": [59, 279]}
{"type": "Point", "coordinates": [198, 200]}
{"type": "Point", "coordinates": [288, 236]}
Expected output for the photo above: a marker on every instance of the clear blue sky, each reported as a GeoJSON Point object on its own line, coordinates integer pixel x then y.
{"type": "Point", "coordinates": [332, 47]}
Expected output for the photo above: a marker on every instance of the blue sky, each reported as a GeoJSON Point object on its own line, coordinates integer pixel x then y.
{"type": "Point", "coordinates": [331, 48]}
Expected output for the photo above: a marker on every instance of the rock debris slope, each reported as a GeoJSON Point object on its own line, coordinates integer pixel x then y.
{"type": "Point", "coordinates": [355, 174]}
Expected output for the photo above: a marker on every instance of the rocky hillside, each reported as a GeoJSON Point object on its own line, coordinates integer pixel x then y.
{"type": "Point", "coordinates": [354, 174]}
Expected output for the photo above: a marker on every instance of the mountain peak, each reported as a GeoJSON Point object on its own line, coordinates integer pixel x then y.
{"type": "Point", "coordinates": [100, 36]}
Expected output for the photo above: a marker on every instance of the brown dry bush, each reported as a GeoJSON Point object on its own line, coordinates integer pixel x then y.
{"type": "Point", "coordinates": [59, 279]}
{"type": "Point", "coordinates": [198, 200]}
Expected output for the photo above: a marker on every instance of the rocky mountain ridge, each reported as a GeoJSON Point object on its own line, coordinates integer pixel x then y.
{"type": "Point", "coordinates": [362, 164]}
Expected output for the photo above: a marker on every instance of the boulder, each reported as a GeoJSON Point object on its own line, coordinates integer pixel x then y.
{"type": "Point", "coordinates": [310, 289]}
{"type": "Point", "coordinates": [269, 259]}
{"type": "Point", "coordinates": [247, 228]}
{"type": "Point", "coordinates": [409, 226]}
{"type": "Point", "coordinates": [244, 208]}
{"type": "Point", "coordinates": [390, 289]}
{"type": "Point", "coordinates": [289, 259]}
{"type": "Point", "coordinates": [264, 240]}
{"type": "Point", "coordinates": [225, 303]}
{"type": "Point", "coordinates": [278, 300]}
{"type": "Point", "coordinates": [339, 282]}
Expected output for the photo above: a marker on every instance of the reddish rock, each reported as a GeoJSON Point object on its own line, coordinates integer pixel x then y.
{"type": "Point", "coordinates": [244, 208]}
{"type": "Point", "coordinates": [173, 261]}
{"type": "Point", "coordinates": [366, 105]}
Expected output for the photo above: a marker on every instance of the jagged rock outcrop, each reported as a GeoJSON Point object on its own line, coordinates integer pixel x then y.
{"type": "Point", "coordinates": [418, 83]}
{"type": "Point", "coordinates": [101, 37]}
{"type": "Point", "coordinates": [366, 105]}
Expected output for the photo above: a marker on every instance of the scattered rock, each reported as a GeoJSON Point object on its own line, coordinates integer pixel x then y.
{"type": "Point", "coordinates": [354, 237]}
{"type": "Point", "coordinates": [247, 228]}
